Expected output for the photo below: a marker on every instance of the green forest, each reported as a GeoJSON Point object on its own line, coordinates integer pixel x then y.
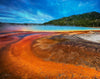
{"type": "Point", "coordinates": [91, 19]}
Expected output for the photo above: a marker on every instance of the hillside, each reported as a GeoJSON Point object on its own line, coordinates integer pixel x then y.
{"type": "Point", "coordinates": [91, 19]}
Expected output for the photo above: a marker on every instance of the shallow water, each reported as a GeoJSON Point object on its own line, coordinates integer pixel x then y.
{"type": "Point", "coordinates": [8, 27]}
{"type": "Point", "coordinates": [20, 49]}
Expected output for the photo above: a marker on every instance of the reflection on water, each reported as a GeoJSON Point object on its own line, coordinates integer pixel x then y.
{"type": "Point", "coordinates": [43, 28]}
{"type": "Point", "coordinates": [55, 53]}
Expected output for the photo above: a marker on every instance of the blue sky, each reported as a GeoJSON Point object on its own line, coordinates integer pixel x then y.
{"type": "Point", "coordinates": [40, 11]}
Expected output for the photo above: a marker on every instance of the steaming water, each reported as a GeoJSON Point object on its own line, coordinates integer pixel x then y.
{"type": "Point", "coordinates": [9, 27]}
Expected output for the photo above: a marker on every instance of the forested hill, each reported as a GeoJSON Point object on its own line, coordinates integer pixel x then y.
{"type": "Point", "coordinates": [91, 19]}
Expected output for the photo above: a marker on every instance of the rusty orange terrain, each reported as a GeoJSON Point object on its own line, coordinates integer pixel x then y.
{"type": "Point", "coordinates": [18, 61]}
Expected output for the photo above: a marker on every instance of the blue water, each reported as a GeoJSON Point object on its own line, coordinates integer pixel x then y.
{"type": "Point", "coordinates": [44, 28]}
{"type": "Point", "coordinates": [59, 28]}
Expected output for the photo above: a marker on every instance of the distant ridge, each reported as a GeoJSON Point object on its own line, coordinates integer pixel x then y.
{"type": "Point", "coordinates": [91, 19]}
